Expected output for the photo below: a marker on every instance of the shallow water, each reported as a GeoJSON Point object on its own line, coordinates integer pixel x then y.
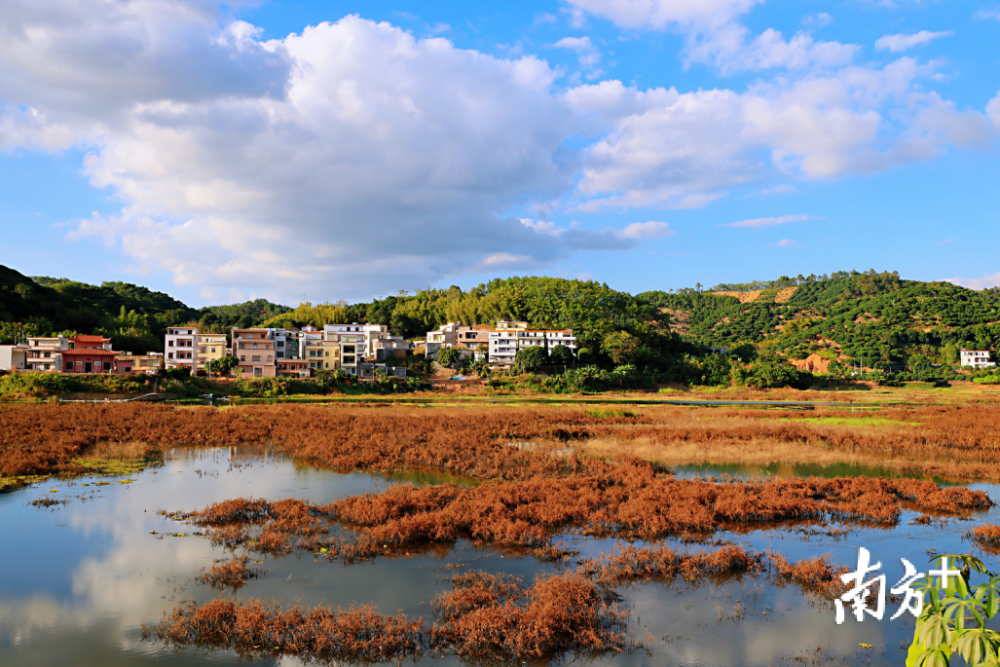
{"type": "Point", "coordinates": [77, 582]}
{"type": "Point", "coordinates": [754, 471]}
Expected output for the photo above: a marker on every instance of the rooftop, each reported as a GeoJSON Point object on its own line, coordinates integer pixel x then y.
{"type": "Point", "coordinates": [89, 352]}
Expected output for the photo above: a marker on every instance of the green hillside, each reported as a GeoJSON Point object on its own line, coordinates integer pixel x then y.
{"type": "Point", "coordinates": [134, 317]}
{"type": "Point", "coordinates": [874, 316]}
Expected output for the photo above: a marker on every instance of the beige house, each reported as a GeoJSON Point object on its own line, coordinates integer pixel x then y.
{"type": "Point", "coordinates": [211, 347]}
{"type": "Point", "coordinates": [45, 353]}
{"type": "Point", "coordinates": [254, 350]}
{"type": "Point", "coordinates": [149, 363]}
{"type": "Point", "coordinates": [507, 325]}
{"type": "Point", "coordinates": [321, 354]}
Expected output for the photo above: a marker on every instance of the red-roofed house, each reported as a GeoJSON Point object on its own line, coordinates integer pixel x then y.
{"type": "Point", "coordinates": [89, 354]}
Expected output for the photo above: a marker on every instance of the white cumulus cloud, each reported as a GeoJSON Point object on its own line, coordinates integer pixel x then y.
{"type": "Point", "coordinates": [900, 43]}
{"type": "Point", "coordinates": [982, 283]}
{"type": "Point", "coordinates": [768, 222]}
{"type": "Point", "coordinates": [647, 230]}
{"type": "Point", "coordinates": [587, 54]}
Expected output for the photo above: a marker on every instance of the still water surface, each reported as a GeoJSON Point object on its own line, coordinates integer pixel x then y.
{"type": "Point", "coordinates": [77, 582]}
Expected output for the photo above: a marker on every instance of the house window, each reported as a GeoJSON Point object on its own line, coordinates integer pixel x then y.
{"type": "Point", "coordinates": [243, 357]}
{"type": "Point", "coordinates": [170, 355]}
{"type": "Point", "coordinates": [213, 350]}
{"type": "Point", "coordinates": [270, 358]}
{"type": "Point", "coordinates": [255, 346]}
{"type": "Point", "coordinates": [255, 357]}
{"type": "Point", "coordinates": [170, 343]}
{"type": "Point", "coordinates": [349, 361]}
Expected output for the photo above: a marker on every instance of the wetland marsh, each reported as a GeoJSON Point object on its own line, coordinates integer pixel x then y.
{"type": "Point", "coordinates": [414, 522]}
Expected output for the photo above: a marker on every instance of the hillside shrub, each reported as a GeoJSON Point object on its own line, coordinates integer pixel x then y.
{"type": "Point", "coordinates": [770, 374]}
{"type": "Point", "coordinates": [39, 385]}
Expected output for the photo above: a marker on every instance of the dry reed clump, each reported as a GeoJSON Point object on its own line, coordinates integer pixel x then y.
{"type": "Point", "coordinates": [630, 564]}
{"type": "Point", "coordinates": [495, 617]}
{"type": "Point", "coordinates": [986, 536]}
{"type": "Point", "coordinates": [232, 573]}
{"type": "Point", "coordinates": [255, 629]}
{"type": "Point", "coordinates": [484, 616]}
{"type": "Point", "coordinates": [276, 527]}
{"type": "Point", "coordinates": [817, 576]}
{"type": "Point", "coordinates": [48, 502]}
{"type": "Point", "coordinates": [631, 502]}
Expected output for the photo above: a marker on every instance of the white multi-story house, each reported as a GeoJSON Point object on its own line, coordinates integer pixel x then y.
{"type": "Point", "coordinates": [45, 354]}
{"type": "Point", "coordinates": [505, 343]}
{"type": "Point", "coordinates": [565, 338]}
{"type": "Point", "coordinates": [976, 358]}
{"type": "Point", "coordinates": [373, 334]}
{"type": "Point", "coordinates": [503, 346]}
{"type": "Point", "coordinates": [181, 348]}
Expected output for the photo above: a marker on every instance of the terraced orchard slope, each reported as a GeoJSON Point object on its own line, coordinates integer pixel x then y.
{"type": "Point", "coordinates": [878, 317]}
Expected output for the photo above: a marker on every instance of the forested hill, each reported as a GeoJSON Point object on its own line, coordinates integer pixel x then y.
{"type": "Point", "coordinates": [134, 317]}
{"type": "Point", "coordinates": [612, 327]}
{"type": "Point", "coordinates": [874, 316]}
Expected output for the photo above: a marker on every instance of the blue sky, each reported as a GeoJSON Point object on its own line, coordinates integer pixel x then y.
{"type": "Point", "coordinates": [332, 150]}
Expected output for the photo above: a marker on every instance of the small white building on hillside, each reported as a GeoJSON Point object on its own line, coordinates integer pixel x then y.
{"type": "Point", "coordinates": [976, 358]}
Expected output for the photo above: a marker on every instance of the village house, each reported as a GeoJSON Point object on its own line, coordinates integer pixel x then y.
{"type": "Point", "coordinates": [254, 351]}
{"type": "Point", "coordinates": [293, 368]}
{"type": "Point", "coordinates": [976, 358]}
{"type": "Point", "coordinates": [471, 340]}
{"type": "Point", "coordinates": [353, 341]}
{"type": "Point", "coordinates": [321, 354]}
{"type": "Point", "coordinates": [14, 357]}
{"type": "Point", "coordinates": [505, 344]}
{"type": "Point", "coordinates": [89, 354]}
{"type": "Point", "coordinates": [181, 348]}
{"type": "Point", "coordinates": [391, 347]}
{"type": "Point", "coordinates": [45, 353]}
{"type": "Point", "coordinates": [501, 342]}
{"type": "Point", "coordinates": [509, 325]}
{"type": "Point", "coordinates": [150, 363]}
{"type": "Point", "coordinates": [211, 347]}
